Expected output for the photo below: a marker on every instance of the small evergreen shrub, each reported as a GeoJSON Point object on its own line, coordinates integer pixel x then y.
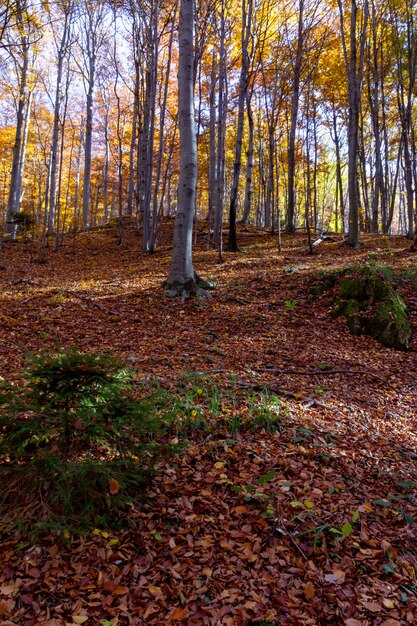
{"type": "Point", "coordinates": [75, 446]}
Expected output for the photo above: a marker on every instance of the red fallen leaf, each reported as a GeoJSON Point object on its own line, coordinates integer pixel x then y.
{"type": "Point", "coordinates": [109, 585]}
{"type": "Point", "coordinates": [26, 598]}
{"type": "Point", "coordinates": [151, 609]}
{"type": "Point", "coordinates": [8, 573]}
{"type": "Point", "coordinates": [178, 614]}
{"type": "Point", "coordinates": [337, 577]}
{"type": "Point", "coordinates": [114, 487]}
{"type": "Point", "coordinates": [120, 591]}
{"type": "Point", "coordinates": [34, 572]}
{"type": "Point", "coordinates": [78, 425]}
{"type": "Point", "coordinates": [374, 607]}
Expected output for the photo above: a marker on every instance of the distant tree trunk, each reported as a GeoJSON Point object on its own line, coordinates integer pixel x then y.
{"type": "Point", "coordinates": [247, 11]}
{"type": "Point", "coordinates": [149, 122]}
{"type": "Point", "coordinates": [374, 88]}
{"type": "Point", "coordinates": [354, 61]}
{"type": "Point", "coordinates": [212, 139]}
{"type": "Point", "coordinates": [182, 280]}
{"type": "Point", "coordinates": [60, 165]}
{"type": "Point", "coordinates": [162, 142]}
{"type": "Point", "coordinates": [13, 203]}
{"type": "Point", "coordinates": [93, 36]}
{"type": "Point", "coordinates": [88, 139]}
{"type": "Point", "coordinates": [132, 151]}
{"type": "Point", "coordinates": [249, 163]}
{"type": "Point", "coordinates": [294, 114]}
{"type": "Point", "coordinates": [339, 180]}
{"type": "Point", "coordinates": [221, 137]}
{"type": "Point", "coordinates": [106, 164]}
{"type": "Point", "coordinates": [62, 50]}
{"type": "Point", "coordinates": [78, 176]}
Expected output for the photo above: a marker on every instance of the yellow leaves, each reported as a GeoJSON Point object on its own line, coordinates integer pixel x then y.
{"type": "Point", "coordinates": [79, 619]}
{"type": "Point", "coordinates": [366, 507]}
{"type": "Point", "coordinates": [155, 591]}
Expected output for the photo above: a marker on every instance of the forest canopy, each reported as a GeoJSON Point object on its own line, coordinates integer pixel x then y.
{"type": "Point", "coordinates": [304, 115]}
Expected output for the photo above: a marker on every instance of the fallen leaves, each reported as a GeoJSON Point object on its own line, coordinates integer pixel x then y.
{"type": "Point", "coordinates": [325, 530]}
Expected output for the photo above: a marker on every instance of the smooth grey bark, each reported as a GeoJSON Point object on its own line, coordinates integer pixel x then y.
{"type": "Point", "coordinates": [182, 280]}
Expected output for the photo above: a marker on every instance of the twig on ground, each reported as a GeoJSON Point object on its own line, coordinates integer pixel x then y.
{"type": "Point", "coordinates": [322, 372]}
{"type": "Point", "coordinates": [89, 301]}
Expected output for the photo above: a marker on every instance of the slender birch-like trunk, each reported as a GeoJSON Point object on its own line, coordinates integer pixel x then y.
{"type": "Point", "coordinates": [182, 280]}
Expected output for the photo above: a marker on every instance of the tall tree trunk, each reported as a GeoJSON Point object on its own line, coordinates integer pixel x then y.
{"type": "Point", "coordinates": [161, 147]}
{"type": "Point", "coordinates": [354, 60]}
{"type": "Point", "coordinates": [62, 50]}
{"type": "Point", "coordinates": [249, 163]}
{"type": "Point", "coordinates": [221, 138]}
{"type": "Point", "coordinates": [182, 280]}
{"type": "Point", "coordinates": [212, 139]}
{"type": "Point", "coordinates": [13, 204]}
{"type": "Point", "coordinates": [243, 88]}
{"type": "Point", "coordinates": [88, 141]}
{"type": "Point", "coordinates": [294, 115]}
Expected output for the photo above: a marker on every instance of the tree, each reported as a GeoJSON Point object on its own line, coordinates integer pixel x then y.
{"type": "Point", "coordinates": [21, 49]}
{"type": "Point", "coordinates": [93, 33]}
{"type": "Point", "coordinates": [354, 61]}
{"type": "Point", "coordinates": [182, 280]}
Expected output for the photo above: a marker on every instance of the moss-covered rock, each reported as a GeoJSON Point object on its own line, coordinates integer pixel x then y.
{"type": "Point", "coordinates": [372, 306]}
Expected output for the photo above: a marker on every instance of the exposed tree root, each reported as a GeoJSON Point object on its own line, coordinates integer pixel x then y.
{"type": "Point", "coordinates": [196, 287]}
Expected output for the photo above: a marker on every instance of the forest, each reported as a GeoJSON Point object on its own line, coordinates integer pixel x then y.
{"type": "Point", "coordinates": [208, 312]}
{"type": "Point", "coordinates": [304, 115]}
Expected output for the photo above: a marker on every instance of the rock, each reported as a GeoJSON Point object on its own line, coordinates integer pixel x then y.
{"type": "Point", "coordinates": [373, 307]}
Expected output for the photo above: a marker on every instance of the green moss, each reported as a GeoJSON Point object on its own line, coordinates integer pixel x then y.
{"type": "Point", "coordinates": [373, 307]}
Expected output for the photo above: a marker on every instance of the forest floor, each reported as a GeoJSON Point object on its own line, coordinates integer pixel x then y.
{"type": "Point", "coordinates": [328, 536]}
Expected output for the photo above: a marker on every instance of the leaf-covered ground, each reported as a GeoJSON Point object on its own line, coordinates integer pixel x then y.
{"type": "Point", "coordinates": [310, 524]}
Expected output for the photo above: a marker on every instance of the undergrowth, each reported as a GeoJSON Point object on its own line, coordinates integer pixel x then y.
{"type": "Point", "coordinates": [75, 447]}
{"type": "Point", "coordinates": [202, 408]}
